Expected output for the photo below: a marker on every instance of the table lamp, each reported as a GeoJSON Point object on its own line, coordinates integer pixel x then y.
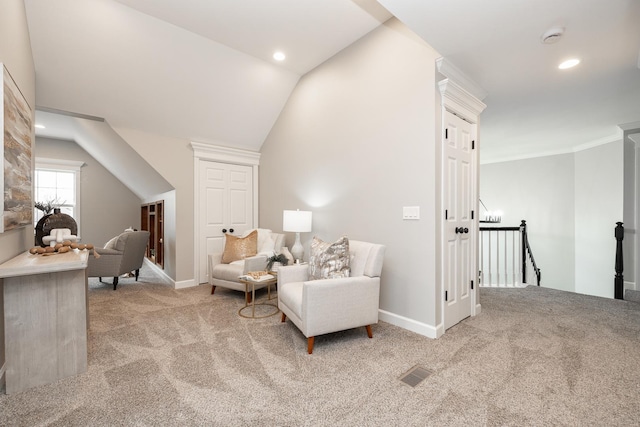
{"type": "Point", "coordinates": [298, 222]}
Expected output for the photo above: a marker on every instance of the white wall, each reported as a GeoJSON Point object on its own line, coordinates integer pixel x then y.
{"type": "Point", "coordinates": [598, 206]}
{"type": "Point", "coordinates": [540, 191]}
{"type": "Point", "coordinates": [354, 144]}
{"type": "Point", "coordinates": [571, 203]}
{"type": "Point", "coordinates": [107, 206]}
{"type": "Point", "coordinates": [15, 54]}
{"type": "Point", "coordinates": [173, 159]}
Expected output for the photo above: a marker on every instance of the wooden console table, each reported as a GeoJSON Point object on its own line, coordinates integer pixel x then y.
{"type": "Point", "coordinates": [45, 318]}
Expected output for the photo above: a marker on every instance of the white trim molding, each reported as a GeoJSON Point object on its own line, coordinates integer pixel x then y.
{"type": "Point", "coordinates": [447, 69]}
{"type": "Point", "coordinates": [218, 153]}
{"type": "Point", "coordinates": [460, 101]}
{"type": "Point", "coordinates": [411, 325]}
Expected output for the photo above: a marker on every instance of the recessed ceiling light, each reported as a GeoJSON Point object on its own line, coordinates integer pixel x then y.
{"type": "Point", "coordinates": [279, 56]}
{"type": "Point", "coordinates": [38, 126]}
{"type": "Point", "coordinates": [569, 63]}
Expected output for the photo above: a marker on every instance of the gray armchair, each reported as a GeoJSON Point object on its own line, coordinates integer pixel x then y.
{"type": "Point", "coordinates": [122, 254]}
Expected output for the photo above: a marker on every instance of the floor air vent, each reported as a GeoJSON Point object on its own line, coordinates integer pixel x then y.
{"type": "Point", "coordinates": [415, 376]}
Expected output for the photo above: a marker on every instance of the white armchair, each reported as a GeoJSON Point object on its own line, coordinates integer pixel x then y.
{"type": "Point", "coordinates": [226, 275]}
{"type": "Point", "coordinates": [323, 306]}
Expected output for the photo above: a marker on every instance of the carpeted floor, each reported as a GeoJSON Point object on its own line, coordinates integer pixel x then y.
{"type": "Point", "coordinates": [159, 356]}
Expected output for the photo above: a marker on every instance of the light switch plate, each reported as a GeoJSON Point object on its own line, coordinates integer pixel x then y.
{"type": "Point", "coordinates": [411, 212]}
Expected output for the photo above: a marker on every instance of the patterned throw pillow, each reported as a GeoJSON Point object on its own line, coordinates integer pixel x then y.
{"type": "Point", "coordinates": [329, 260]}
{"type": "Point", "coordinates": [238, 248]}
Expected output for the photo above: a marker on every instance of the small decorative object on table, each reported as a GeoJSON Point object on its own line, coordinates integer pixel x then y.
{"type": "Point", "coordinates": [250, 279]}
{"type": "Point", "coordinates": [272, 261]}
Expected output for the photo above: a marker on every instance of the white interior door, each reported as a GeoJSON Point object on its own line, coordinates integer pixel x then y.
{"type": "Point", "coordinates": [226, 206]}
{"type": "Point", "coordinates": [459, 249]}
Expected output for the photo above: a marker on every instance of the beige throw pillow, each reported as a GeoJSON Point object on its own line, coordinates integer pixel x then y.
{"type": "Point", "coordinates": [238, 248]}
{"type": "Point", "coordinates": [329, 260]}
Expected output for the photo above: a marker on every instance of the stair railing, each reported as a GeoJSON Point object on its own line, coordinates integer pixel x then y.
{"type": "Point", "coordinates": [506, 257]}
{"type": "Point", "coordinates": [526, 250]}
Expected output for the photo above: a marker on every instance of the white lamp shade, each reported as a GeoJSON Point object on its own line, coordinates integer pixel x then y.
{"type": "Point", "coordinates": [296, 221]}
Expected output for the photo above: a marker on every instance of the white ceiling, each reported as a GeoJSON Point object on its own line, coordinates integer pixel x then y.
{"type": "Point", "coordinates": [202, 69]}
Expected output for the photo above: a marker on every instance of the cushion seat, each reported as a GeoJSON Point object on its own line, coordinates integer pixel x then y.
{"type": "Point", "coordinates": [226, 275]}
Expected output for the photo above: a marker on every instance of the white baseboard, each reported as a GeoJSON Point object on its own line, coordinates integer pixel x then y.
{"type": "Point", "coordinates": [411, 325]}
{"type": "Point", "coordinates": [630, 285]}
{"type": "Point", "coordinates": [160, 271]}
{"type": "Point", "coordinates": [185, 284]}
{"type": "Point", "coordinates": [478, 310]}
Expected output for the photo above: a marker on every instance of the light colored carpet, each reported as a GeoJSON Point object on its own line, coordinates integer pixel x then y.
{"type": "Point", "coordinates": [159, 356]}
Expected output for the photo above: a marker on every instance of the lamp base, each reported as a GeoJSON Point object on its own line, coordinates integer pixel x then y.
{"type": "Point", "coordinates": [297, 250]}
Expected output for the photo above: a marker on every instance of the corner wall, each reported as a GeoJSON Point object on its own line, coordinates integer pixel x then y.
{"type": "Point", "coordinates": [599, 185]}
{"type": "Point", "coordinates": [15, 54]}
{"type": "Point", "coordinates": [173, 159]}
{"type": "Point", "coordinates": [541, 191]}
{"type": "Point", "coordinates": [354, 144]}
{"type": "Point", "coordinates": [571, 203]}
{"type": "Point", "coordinates": [107, 206]}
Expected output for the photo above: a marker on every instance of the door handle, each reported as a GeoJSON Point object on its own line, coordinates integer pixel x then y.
{"type": "Point", "coordinates": [231, 230]}
{"type": "Point", "coordinates": [461, 230]}
{"type": "Point", "coordinates": [224, 230]}
{"type": "Point", "coordinates": [466, 230]}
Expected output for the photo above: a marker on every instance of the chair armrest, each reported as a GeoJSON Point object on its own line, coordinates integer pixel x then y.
{"type": "Point", "coordinates": [108, 252]}
{"type": "Point", "coordinates": [255, 263]}
{"type": "Point", "coordinates": [330, 305]}
{"type": "Point", "coordinates": [215, 259]}
{"type": "Point", "coordinates": [293, 273]}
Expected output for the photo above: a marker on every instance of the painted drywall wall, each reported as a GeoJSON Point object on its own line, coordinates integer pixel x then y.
{"type": "Point", "coordinates": [599, 187]}
{"type": "Point", "coordinates": [354, 144]}
{"type": "Point", "coordinates": [173, 159]}
{"type": "Point", "coordinates": [15, 54]}
{"type": "Point", "coordinates": [541, 191]}
{"type": "Point", "coordinates": [107, 206]}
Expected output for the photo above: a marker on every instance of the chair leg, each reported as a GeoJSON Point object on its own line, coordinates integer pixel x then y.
{"type": "Point", "coordinates": [213, 289]}
{"type": "Point", "coordinates": [99, 279]}
{"type": "Point", "coordinates": [369, 331]}
{"type": "Point", "coordinates": [310, 341]}
{"type": "Point", "coordinates": [283, 318]}
{"type": "Point", "coordinates": [115, 282]}
{"type": "Point", "coordinates": [137, 274]}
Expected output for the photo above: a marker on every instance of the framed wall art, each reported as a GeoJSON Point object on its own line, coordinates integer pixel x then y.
{"type": "Point", "coordinates": [16, 122]}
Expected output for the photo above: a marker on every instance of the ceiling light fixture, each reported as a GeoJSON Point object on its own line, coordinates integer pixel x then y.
{"type": "Point", "coordinates": [569, 63]}
{"type": "Point", "coordinates": [279, 56]}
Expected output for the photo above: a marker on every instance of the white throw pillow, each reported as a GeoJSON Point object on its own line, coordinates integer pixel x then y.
{"type": "Point", "coordinates": [265, 242]}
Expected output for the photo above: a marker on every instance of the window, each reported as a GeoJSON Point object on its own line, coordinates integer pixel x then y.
{"type": "Point", "coordinates": [58, 181]}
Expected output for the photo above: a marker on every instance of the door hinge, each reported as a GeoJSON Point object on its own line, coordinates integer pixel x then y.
{"type": "Point", "coordinates": [473, 144]}
{"type": "Point", "coordinates": [446, 134]}
{"type": "Point", "coordinates": [471, 214]}
{"type": "Point", "coordinates": [446, 295]}
{"type": "Point", "coordinates": [446, 214]}
{"type": "Point", "coordinates": [472, 285]}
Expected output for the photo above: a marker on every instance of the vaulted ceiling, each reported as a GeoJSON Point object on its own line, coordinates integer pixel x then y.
{"type": "Point", "coordinates": [203, 69]}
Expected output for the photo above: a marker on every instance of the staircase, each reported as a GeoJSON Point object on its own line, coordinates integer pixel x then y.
{"type": "Point", "coordinates": [506, 259]}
